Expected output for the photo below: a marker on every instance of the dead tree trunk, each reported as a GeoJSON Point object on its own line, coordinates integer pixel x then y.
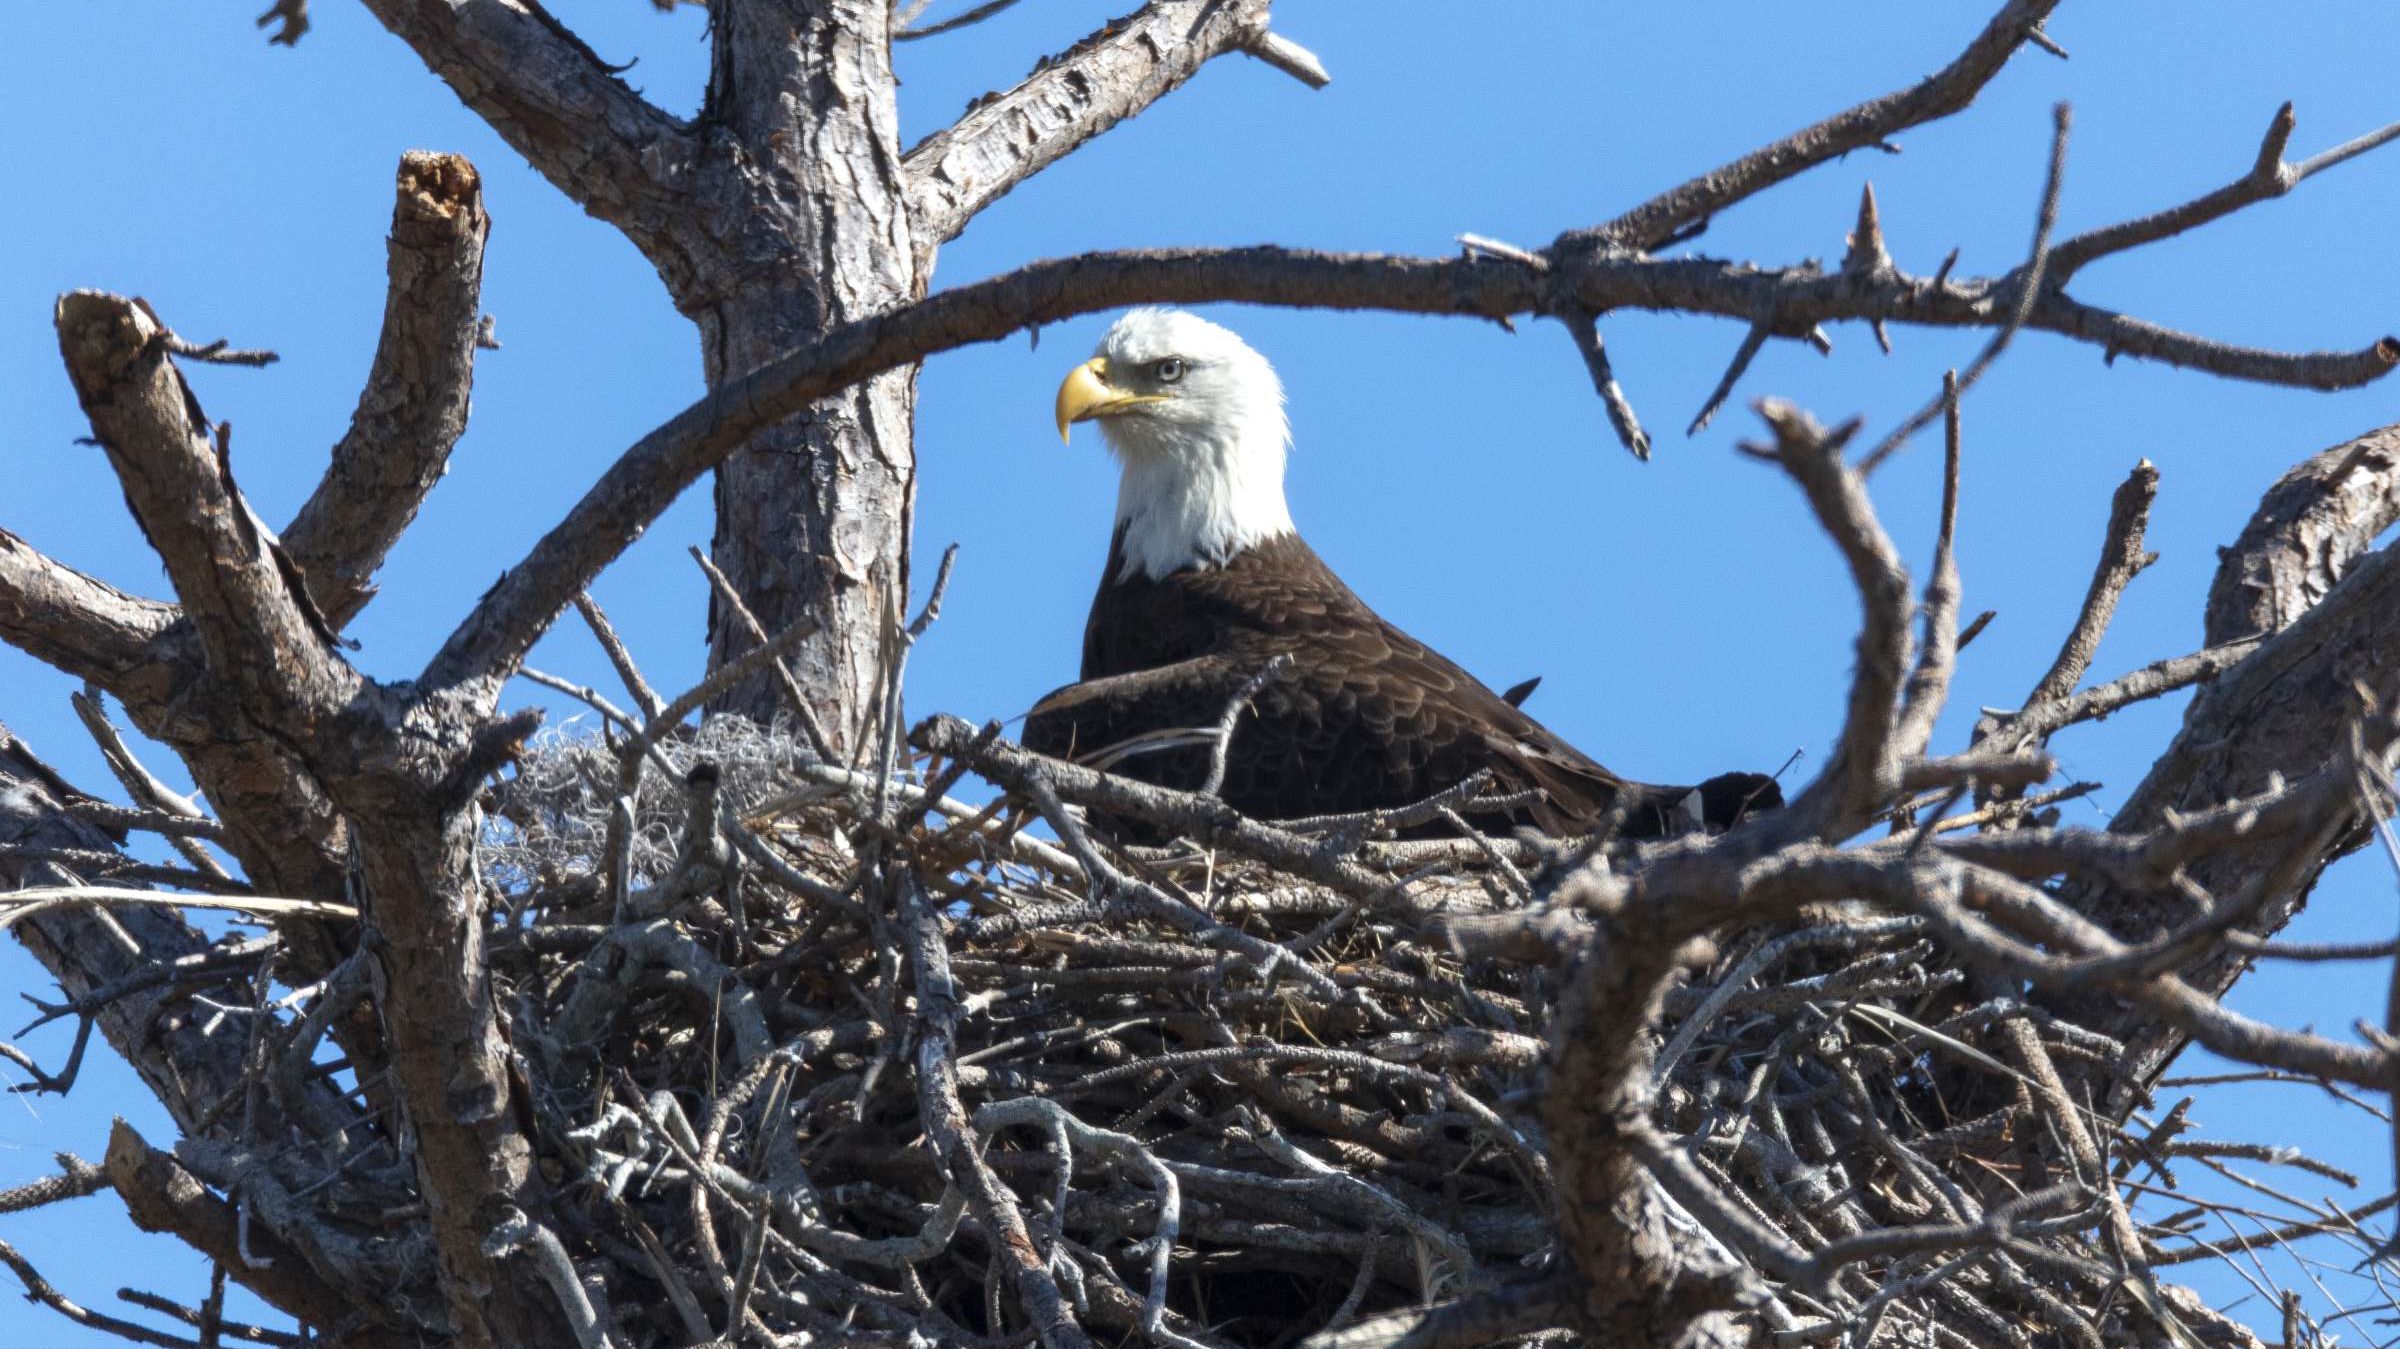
{"type": "Point", "coordinates": [800, 189]}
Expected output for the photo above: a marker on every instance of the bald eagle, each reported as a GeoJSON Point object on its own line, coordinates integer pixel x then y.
{"type": "Point", "coordinates": [1207, 584]}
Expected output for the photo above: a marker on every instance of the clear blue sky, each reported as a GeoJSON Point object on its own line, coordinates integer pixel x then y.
{"type": "Point", "coordinates": [1686, 615]}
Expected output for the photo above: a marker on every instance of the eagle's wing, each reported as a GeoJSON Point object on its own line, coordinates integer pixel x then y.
{"type": "Point", "coordinates": [1158, 725]}
{"type": "Point", "coordinates": [1574, 791]}
{"type": "Point", "coordinates": [1468, 726]}
{"type": "Point", "coordinates": [1360, 716]}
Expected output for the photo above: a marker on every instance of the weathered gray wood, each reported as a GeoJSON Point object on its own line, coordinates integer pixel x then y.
{"type": "Point", "coordinates": [2310, 528]}
{"type": "Point", "coordinates": [185, 1063]}
{"type": "Point", "coordinates": [176, 470]}
{"type": "Point", "coordinates": [400, 768]}
{"type": "Point", "coordinates": [2300, 574]}
{"type": "Point", "coordinates": [798, 187]}
{"type": "Point", "coordinates": [414, 405]}
{"type": "Point", "coordinates": [1111, 75]}
{"type": "Point", "coordinates": [244, 632]}
{"type": "Point", "coordinates": [553, 99]}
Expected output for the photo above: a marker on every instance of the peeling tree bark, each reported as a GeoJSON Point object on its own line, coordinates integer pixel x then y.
{"type": "Point", "coordinates": [187, 1065]}
{"type": "Point", "coordinates": [414, 406]}
{"type": "Point", "coordinates": [2311, 526]}
{"type": "Point", "coordinates": [399, 766]}
{"type": "Point", "coordinates": [800, 194]}
{"type": "Point", "coordinates": [2301, 575]}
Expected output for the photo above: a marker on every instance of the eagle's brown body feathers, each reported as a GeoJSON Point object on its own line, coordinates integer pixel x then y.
{"type": "Point", "coordinates": [1360, 717]}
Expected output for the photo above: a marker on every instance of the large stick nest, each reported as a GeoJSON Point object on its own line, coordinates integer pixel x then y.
{"type": "Point", "coordinates": [1233, 1104]}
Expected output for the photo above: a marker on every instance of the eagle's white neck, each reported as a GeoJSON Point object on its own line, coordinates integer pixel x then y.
{"type": "Point", "coordinates": [1197, 493]}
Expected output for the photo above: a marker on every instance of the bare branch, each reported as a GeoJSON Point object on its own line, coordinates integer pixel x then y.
{"type": "Point", "coordinates": [553, 100]}
{"type": "Point", "coordinates": [1863, 770]}
{"type": "Point", "coordinates": [42, 1291]}
{"type": "Point", "coordinates": [2301, 573]}
{"type": "Point", "coordinates": [2280, 713]}
{"type": "Point", "coordinates": [2310, 527]}
{"type": "Point", "coordinates": [724, 676]}
{"type": "Point", "coordinates": [1291, 58]}
{"type": "Point", "coordinates": [2122, 558]}
{"type": "Point", "coordinates": [2120, 334]}
{"type": "Point", "coordinates": [1753, 342]}
{"type": "Point", "coordinates": [414, 406]}
{"type": "Point", "coordinates": [138, 781]}
{"type": "Point", "coordinates": [147, 653]}
{"type": "Point", "coordinates": [515, 1233]}
{"type": "Point", "coordinates": [161, 1196]}
{"type": "Point", "coordinates": [951, 25]}
{"type": "Point", "coordinates": [209, 1318]}
{"type": "Point", "coordinates": [652, 472]}
{"type": "Point", "coordinates": [645, 699]}
{"type": "Point", "coordinates": [219, 352]}
{"type": "Point", "coordinates": [2269, 177]}
{"type": "Point", "coordinates": [258, 627]}
{"type": "Point", "coordinates": [2151, 681]}
{"type": "Point", "coordinates": [73, 622]}
{"type": "Point", "coordinates": [185, 1062]}
{"type": "Point", "coordinates": [948, 1128]}
{"type": "Point", "coordinates": [1870, 124]}
{"type": "Point", "coordinates": [76, 1178]}
{"type": "Point", "coordinates": [724, 593]}
{"type": "Point", "coordinates": [1115, 73]}
{"type": "Point", "coordinates": [1201, 818]}
{"type": "Point", "coordinates": [141, 651]}
{"type": "Point", "coordinates": [1586, 331]}
{"type": "Point", "coordinates": [1234, 708]}
{"type": "Point", "coordinates": [274, 677]}
{"type": "Point", "coordinates": [2027, 284]}
{"type": "Point", "coordinates": [1937, 655]}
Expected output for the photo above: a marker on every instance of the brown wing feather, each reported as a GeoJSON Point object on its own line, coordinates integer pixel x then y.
{"type": "Point", "coordinates": [1125, 722]}
{"type": "Point", "coordinates": [1362, 717]}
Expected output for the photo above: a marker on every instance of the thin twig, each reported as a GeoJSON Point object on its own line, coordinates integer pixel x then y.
{"type": "Point", "coordinates": [2025, 285]}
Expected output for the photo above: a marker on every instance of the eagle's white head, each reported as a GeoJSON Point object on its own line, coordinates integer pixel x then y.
{"type": "Point", "coordinates": [1195, 418]}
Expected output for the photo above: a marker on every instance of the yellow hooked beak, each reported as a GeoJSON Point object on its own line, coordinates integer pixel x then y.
{"type": "Point", "coordinates": [1087, 394]}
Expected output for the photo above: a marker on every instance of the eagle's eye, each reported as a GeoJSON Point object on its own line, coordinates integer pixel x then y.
{"type": "Point", "coordinates": [1169, 370]}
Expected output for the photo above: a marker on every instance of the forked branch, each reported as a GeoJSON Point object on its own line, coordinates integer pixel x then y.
{"type": "Point", "coordinates": [244, 600]}
{"type": "Point", "coordinates": [557, 103]}
{"type": "Point", "coordinates": [1112, 75]}
{"type": "Point", "coordinates": [649, 475]}
{"type": "Point", "coordinates": [1868, 125]}
{"type": "Point", "coordinates": [2270, 176]}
